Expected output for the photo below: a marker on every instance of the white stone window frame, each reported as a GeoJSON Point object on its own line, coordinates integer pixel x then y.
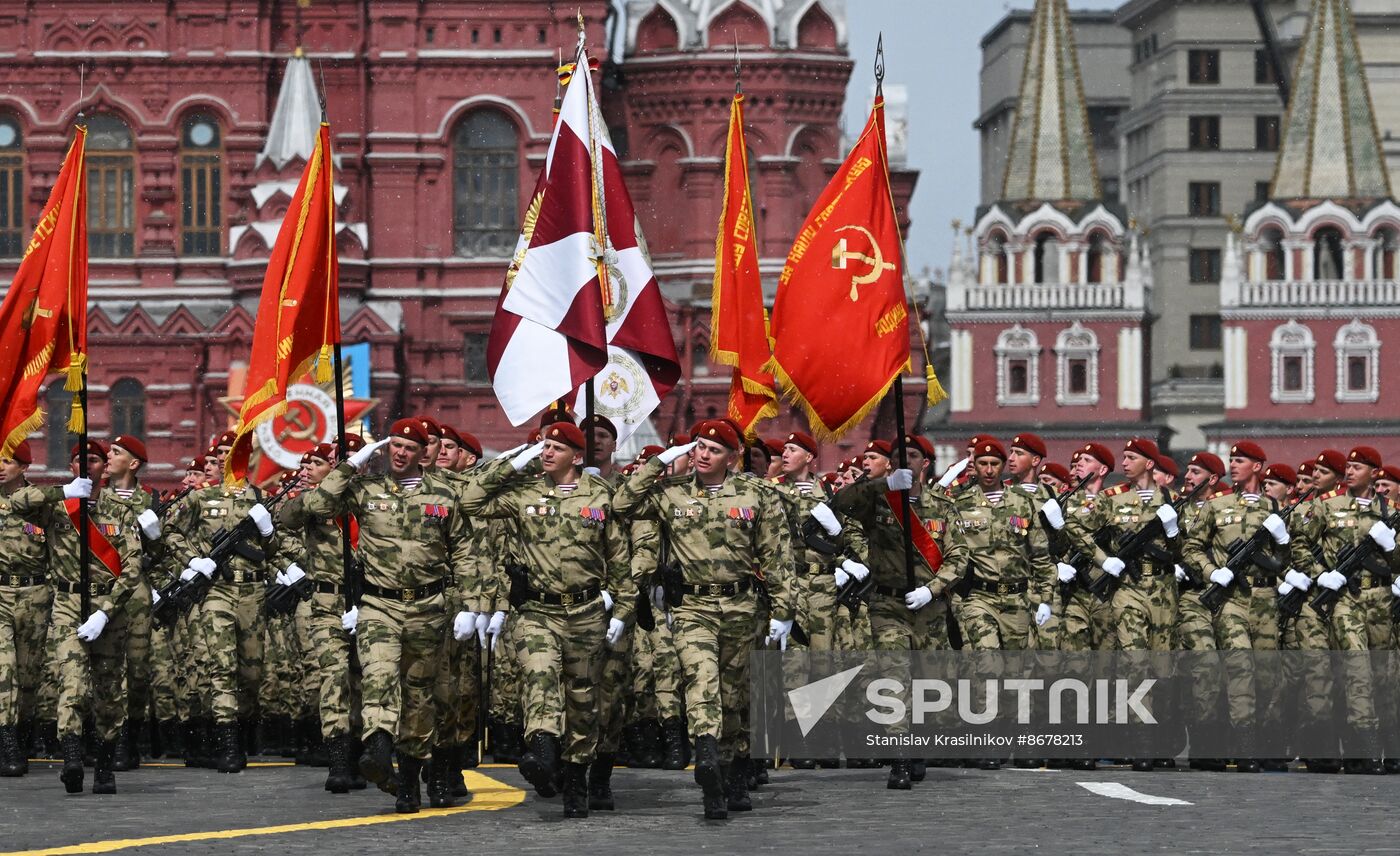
{"type": "Point", "coordinates": [1076, 342]}
{"type": "Point", "coordinates": [1016, 343]}
{"type": "Point", "coordinates": [1292, 340]}
{"type": "Point", "coordinates": [1358, 340]}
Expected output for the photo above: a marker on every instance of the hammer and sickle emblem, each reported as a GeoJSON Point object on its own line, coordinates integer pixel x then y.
{"type": "Point", "coordinates": [300, 424]}
{"type": "Point", "coordinates": [34, 312]}
{"type": "Point", "coordinates": [840, 256]}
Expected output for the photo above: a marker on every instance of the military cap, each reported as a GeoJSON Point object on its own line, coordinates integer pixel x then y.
{"type": "Point", "coordinates": [430, 426]}
{"type": "Point", "coordinates": [94, 447]}
{"type": "Point", "coordinates": [447, 432]}
{"type": "Point", "coordinates": [920, 442]}
{"type": "Point", "coordinates": [719, 431]}
{"type": "Point", "coordinates": [467, 440]}
{"type": "Point", "coordinates": [1143, 446]}
{"type": "Point", "coordinates": [989, 448]}
{"type": "Point", "coordinates": [598, 420]}
{"type": "Point", "coordinates": [1209, 462]}
{"type": "Point", "coordinates": [562, 413]}
{"type": "Point", "coordinates": [353, 443]}
{"type": "Point", "coordinates": [1031, 443]}
{"type": "Point", "coordinates": [22, 453]}
{"type": "Point", "coordinates": [409, 429]}
{"type": "Point", "coordinates": [1167, 465]}
{"type": "Point", "coordinates": [880, 447]}
{"type": "Point", "coordinates": [1389, 472]}
{"type": "Point", "coordinates": [533, 437]}
{"type": "Point", "coordinates": [1365, 455]}
{"type": "Point", "coordinates": [1057, 471]}
{"type": "Point", "coordinates": [771, 446]}
{"type": "Point", "coordinates": [224, 439]}
{"type": "Point", "coordinates": [738, 429]}
{"type": "Point", "coordinates": [565, 432]}
{"type": "Point", "coordinates": [648, 452]}
{"type": "Point", "coordinates": [1332, 460]}
{"type": "Point", "coordinates": [829, 478]}
{"type": "Point", "coordinates": [1248, 449]}
{"type": "Point", "coordinates": [802, 440]}
{"type": "Point", "coordinates": [133, 446]}
{"type": "Point", "coordinates": [980, 439]}
{"type": "Point", "coordinates": [323, 451]}
{"type": "Point", "coordinates": [680, 438]}
{"type": "Point", "coordinates": [1306, 468]}
{"type": "Point", "coordinates": [1100, 453]}
{"type": "Point", "coordinates": [196, 464]}
{"type": "Point", "coordinates": [1281, 473]}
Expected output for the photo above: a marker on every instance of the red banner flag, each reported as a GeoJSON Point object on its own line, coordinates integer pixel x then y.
{"type": "Point", "coordinates": [840, 320]}
{"type": "Point", "coordinates": [299, 312]}
{"type": "Point", "coordinates": [45, 309]}
{"type": "Point", "coordinates": [738, 318]}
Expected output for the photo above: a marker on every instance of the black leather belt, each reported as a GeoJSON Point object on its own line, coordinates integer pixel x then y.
{"type": "Point", "coordinates": [1149, 570]}
{"type": "Point", "coordinates": [1260, 582]}
{"type": "Point", "coordinates": [567, 598]}
{"type": "Point", "coordinates": [407, 595]}
{"type": "Point", "coordinates": [890, 591]}
{"type": "Point", "coordinates": [320, 587]}
{"type": "Point", "coordinates": [21, 582]}
{"type": "Point", "coordinates": [718, 589]}
{"type": "Point", "coordinates": [1370, 581]}
{"type": "Point", "coordinates": [244, 577]}
{"type": "Point", "coordinates": [99, 589]}
{"type": "Point", "coordinates": [994, 587]}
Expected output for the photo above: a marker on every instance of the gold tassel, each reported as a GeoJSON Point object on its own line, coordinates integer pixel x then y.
{"type": "Point", "coordinates": [77, 420]}
{"type": "Point", "coordinates": [936, 392]}
{"type": "Point", "coordinates": [324, 365]}
{"type": "Point", "coordinates": [77, 367]}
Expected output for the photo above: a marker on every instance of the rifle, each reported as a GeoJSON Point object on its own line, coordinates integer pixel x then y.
{"type": "Point", "coordinates": [1060, 499]}
{"type": "Point", "coordinates": [1363, 555]}
{"type": "Point", "coordinates": [1244, 552]}
{"type": "Point", "coordinates": [1131, 550]}
{"type": "Point", "coordinates": [160, 508]}
{"type": "Point", "coordinates": [1290, 605]}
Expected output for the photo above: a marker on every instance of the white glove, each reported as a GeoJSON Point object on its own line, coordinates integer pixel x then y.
{"type": "Point", "coordinates": [464, 626]}
{"type": "Point", "coordinates": [93, 627]}
{"type": "Point", "coordinates": [202, 565]}
{"type": "Point", "coordinates": [951, 474]}
{"type": "Point", "coordinates": [919, 598]}
{"type": "Point", "coordinates": [351, 618]}
{"type": "Point", "coordinates": [78, 488]}
{"type": "Point", "coordinates": [360, 458]}
{"type": "Point", "coordinates": [1167, 515]}
{"type": "Point", "coordinates": [1383, 535]}
{"type": "Point", "coordinates": [1042, 614]}
{"type": "Point", "coordinates": [675, 453]}
{"type": "Point", "coordinates": [1180, 574]}
{"type": "Point", "coordinates": [615, 628]}
{"type": "Point", "coordinates": [522, 460]}
{"type": "Point", "coordinates": [855, 569]}
{"type": "Point", "coordinates": [1054, 514]}
{"type": "Point", "coordinates": [493, 628]}
{"type": "Point", "coordinates": [1297, 579]}
{"type": "Point", "coordinates": [1332, 580]}
{"type": "Point", "coordinates": [280, 578]}
{"type": "Point", "coordinates": [658, 598]}
{"type": "Point", "coordinates": [778, 631]}
{"type": "Point", "coordinates": [900, 480]}
{"type": "Point", "coordinates": [155, 597]}
{"type": "Point", "coordinates": [1113, 566]}
{"type": "Point", "coordinates": [1285, 590]}
{"type": "Point", "coordinates": [483, 619]}
{"type": "Point", "coordinates": [1222, 576]}
{"type": "Point", "coordinates": [1395, 588]}
{"type": "Point", "coordinates": [1065, 572]}
{"type": "Point", "coordinates": [510, 453]}
{"type": "Point", "coordinates": [607, 602]}
{"type": "Point", "coordinates": [827, 518]}
{"type": "Point", "coordinates": [259, 515]}
{"type": "Point", "coordinates": [1277, 528]}
{"type": "Point", "coordinates": [187, 574]}
{"type": "Point", "coordinates": [150, 524]}
{"type": "Point", "coordinates": [293, 575]}
{"type": "Point", "coordinates": [842, 578]}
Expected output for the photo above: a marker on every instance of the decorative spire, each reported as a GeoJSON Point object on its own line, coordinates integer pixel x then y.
{"type": "Point", "coordinates": [1331, 149]}
{"type": "Point", "coordinates": [296, 118]}
{"type": "Point", "coordinates": [1051, 156]}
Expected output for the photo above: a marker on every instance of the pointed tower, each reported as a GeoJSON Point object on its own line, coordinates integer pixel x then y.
{"type": "Point", "coordinates": [1050, 318]}
{"type": "Point", "coordinates": [1315, 267]}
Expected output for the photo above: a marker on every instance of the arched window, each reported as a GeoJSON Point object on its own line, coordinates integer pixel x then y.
{"type": "Point", "coordinates": [111, 169]}
{"type": "Point", "coordinates": [1095, 256]}
{"type": "Point", "coordinates": [1327, 255]}
{"type": "Point", "coordinates": [485, 185]}
{"type": "Point", "coordinates": [1358, 352]}
{"type": "Point", "coordinates": [1384, 259]}
{"type": "Point", "coordinates": [996, 249]}
{"type": "Point", "coordinates": [1047, 258]}
{"type": "Point", "coordinates": [1271, 243]}
{"type": "Point", "coordinates": [1018, 367]}
{"type": "Point", "coordinates": [201, 186]}
{"type": "Point", "coordinates": [11, 188]}
{"type": "Point", "coordinates": [1076, 366]}
{"type": "Point", "coordinates": [57, 404]}
{"type": "Point", "coordinates": [1292, 345]}
{"type": "Point", "coordinates": [128, 408]}
{"type": "Point", "coordinates": [700, 359]}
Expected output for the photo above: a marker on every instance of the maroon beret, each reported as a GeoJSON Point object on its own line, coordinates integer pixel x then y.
{"type": "Point", "coordinates": [224, 439]}
{"type": "Point", "coordinates": [197, 463]}
{"type": "Point", "coordinates": [920, 442]}
{"type": "Point", "coordinates": [680, 438]}
{"type": "Point", "coordinates": [989, 448]}
{"type": "Point", "coordinates": [719, 431]}
{"type": "Point", "coordinates": [770, 447]}
{"type": "Point", "coordinates": [597, 420]}
{"type": "Point", "coordinates": [321, 451]}
{"type": "Point", "coordinates": [94, 447]}
{"type": "Point", "coordinates": [447, 432]}
{"type": "Point", "coordinates": [802, 440]}
{"type": "Point", "coordinates": [410, 429]}
{"type": "Point", "coordinates": [1209, 462]}
{"type": "Point", "coordinates": [565, 432]}
{"type": "Point", "coordinates": [1332, 460]}
{"type": "Point", "coordinates": [1306, 468]}
{"type": "Point", "coordinates": [1390, 472]}
{"type": "Point", "coordinates": [133, 446]}
{"type": "Point", "coordinates": [979, 439]}
{"type": "Point", "coordinates": [1365, 455]}
{"type": "Point", "coordinates": [1281, 473]}
{"type": "Point", "coordinates": [467, 440]}
{"type": "Point", "coordinates": [880, 447]}
{"type": "Point", "coordinates": [1248, 449]}
{"type": "Point", "coordinates": [22, 453]}
{"type": "Point", "coordinates": [430, 426]}
{"type": "Point", "coordinates": [1167, 465]}
{"type": "Point", "coordinates": [1100, 453]}
{"type": "Point", "coordinates": [649, 452]}
{"type": "Point", "coordinates": [1031, 443]}
{"type": "Point", "coordinates": [1144, 447]}
{"type": "Point", "coordinates": [1056, 471]}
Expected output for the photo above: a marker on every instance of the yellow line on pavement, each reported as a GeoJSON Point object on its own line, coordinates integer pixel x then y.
{"type": "Point", "coordinates": [487, 795]}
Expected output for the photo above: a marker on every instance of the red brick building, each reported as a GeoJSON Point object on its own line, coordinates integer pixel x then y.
{"type": "Point", "coordinates": [200, 120]}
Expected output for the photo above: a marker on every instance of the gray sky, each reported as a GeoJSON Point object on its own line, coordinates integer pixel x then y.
{"type": "Point", "coordinates": [932, 47]}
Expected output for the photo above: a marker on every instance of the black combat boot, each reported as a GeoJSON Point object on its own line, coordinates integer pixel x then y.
{"type": "Point", "coordinates": [121, 762]}
{"type": "Point", "coordinates": [508, 744]}
{"type": "Point", "coordinates": [441, 768]}
{"type": "Point", "coordinates": [600, 795]}
{"type": "Point", "coordinates": [540, 763]}
{"type": "Point", "coordinates": [313, 748]}
{"type": "Point", "coordinates": [103, 781]}
{"type": "Point", "coordinates": [209, 742]}
{"type": "Point", "coordinates": [899, 779]}
{"type": "Point", "coordinates": [468, 755]}
{"type": "Point", "coordinates": [760, 771]}
{"type": "Point", "coordinates": [377, 762]}
{"type": "Point", "coordinates": [192, 732]}
{"type": "Point", "coordinates": [673, 744]}
{"type": "Point", "coordinates": [72, 775]}
{"type": "Point", "coordinates": [464, 757]}
{"type": "Point", "coordinates": [629, 749]}
{"type": "Point", "coordinates": [736, 785]}
{"type": "Point", "coordinates": [409, 796]}
{"type": "Point", "coordinates": [650, 743]}
{"type": "Point", "coordinates": [134, 734]}
{"type": "Point", "coordinates": [575, 788]}
{"type": "Point", "coordinates": [46, 743]}
{"type": "Point", "coordinates": [248, 737]}
{"type": "Point", "coordinates": [918, 769]}
{"type": "Point", "coordinates": [229, 757]}
{"type": "Point", "coordinates": [171, 742]}
{"type": "Point", "coordinates": [709, 775]}
{"type": "Point", "coordinates": [357, 779]}
{"type": "Point", "coordinates": [338, 776]}
{"type": "Point", "coordinates": [10, 756]}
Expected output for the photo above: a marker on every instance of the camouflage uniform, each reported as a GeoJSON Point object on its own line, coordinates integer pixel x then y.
{"type": "Point", "coordinates": [138, 619]}
{"type": "Point", "coordinates": [1195, 632]}
{"type": "Point", "coordinates": [1085, 622]}
{"type": "Point", "coordinates": [1010, 565]}
{"type": "Point", "coordinates": [1307, 631]}
{"type": "Point", "coordinates": [24, 615]}
{"type": "Point", "coordinates": [572, 550]}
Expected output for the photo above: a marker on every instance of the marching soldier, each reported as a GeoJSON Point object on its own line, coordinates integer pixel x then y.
{"type": "Point", "coordinates": [1195, 626]}
{"type": "Point", "coordinates": [24, 614]}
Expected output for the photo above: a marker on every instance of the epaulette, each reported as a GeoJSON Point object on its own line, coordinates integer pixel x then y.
{"type": "Point", "coordinates": [1115, 490]}
{"type": "Point", "coordinates": [1334, 492]}
{"type": "Point", "coordinates": [1225, 491]}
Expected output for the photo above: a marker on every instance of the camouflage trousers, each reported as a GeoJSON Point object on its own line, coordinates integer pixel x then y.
{"type": "Point", "coordinates": [816, 608]}
{"type": "Point", "coordinates": [24, 622]}
{"type": "Point", "coordinates": [138, 651]}
{"type": "Point", "coordinates": [400, 647]}
{"type": "Point", "coordinates": [714, 636]}
{"type": "Point", "coordinates": [457, 691]}
{"type": "Point", "coordinates": [505, 676]}
{"type": "Point", "coordinates": [1195, 632]}
{"type": "Point", "coordinates": [667, 677]}
{"type": "Point", "coordinates": [996, 621]}
{"type": "Point", "coordinates": [1361, 622]}
{"type": "Point", "coordinates": [1248, 621]}
{"type": "Point", "coordinates": [613, 691]}
{"type": "Point", "coordinates": [1144, 613]}
{"type": "Point", "coordinates": [894, 628]}
{"type": "Point", "coordinates": [164, 698]}
{"type": "Point", "coordinates": [280, 693]}
{"type": "Point", "coordinates": [232, 625]}
{"type": "Point", "coordinates": [1085, 623]}
{"type": "Point", "coordinates": [88, 675]}
{"type": "Point", "coordinates": [1313, 706]}
{"type": "Point", "coordinates": [561, 653]}
{"type": "Point", "coordinates": [193, 691]}
{"type": "Point", "coordinates": [337, 686]}
{"type": "Point", "coordinates": [642, 700]}
{"type": "Point", "coordinates": [853, 631]}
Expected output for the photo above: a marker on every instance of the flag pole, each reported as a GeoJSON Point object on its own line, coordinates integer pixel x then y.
{"type": "Point", "coordinates": [600, 226]}
{"type": "Point", "coordinates": [84, 512]}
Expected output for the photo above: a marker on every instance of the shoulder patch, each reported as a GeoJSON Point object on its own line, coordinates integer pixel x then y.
{"type": "Point", "coordinates": [1115, 490]}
